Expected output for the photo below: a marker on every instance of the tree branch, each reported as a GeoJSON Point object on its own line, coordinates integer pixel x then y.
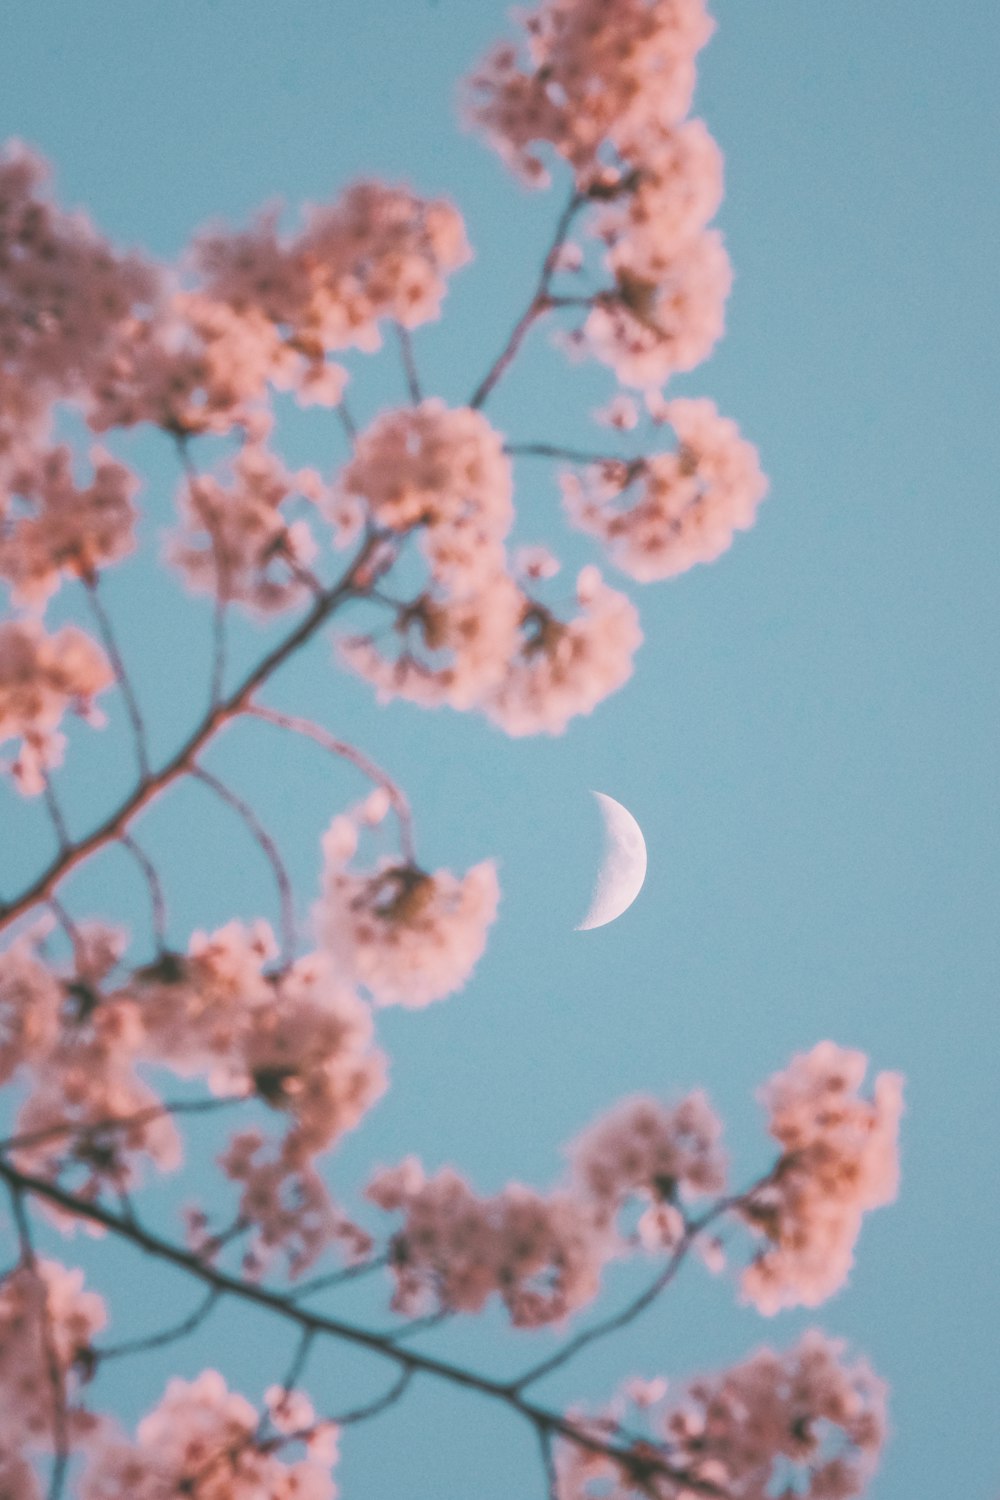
{"type": "Point", "coordinates": [180, 764]}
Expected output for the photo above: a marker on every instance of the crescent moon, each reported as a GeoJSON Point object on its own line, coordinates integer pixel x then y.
{"type": "Point", "coordinates": [620, 878]}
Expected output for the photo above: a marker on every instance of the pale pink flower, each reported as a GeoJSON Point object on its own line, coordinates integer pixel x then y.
{"type": "Point", "coordinates": [661, 515]}
{"type": "Point", "coordinates": [653, 1151]}
{"type": "Point", "coordinates": [806, 1419]}
{"type": "Point", "coordinates": [236, 542]}
{"type": "Point", "coordinates": [598, 72]}
{"type": "Point", "coordinates": [565, 668]}
{"type": "Point", "coordinates": [445, 650]}
{"type": "Point", "coordinates": [839, 1160]}
{"type": "Point", "coordinates": [379, 252]}
{"type": "Point", "coordinates": [407, 936]}
{"type": "Point", "coordinates": [42, 677]}
{"type": "Point", "coordinates": [647, 328]}
{"type": "Point", "coordinates": [201, 1430]}
{"type": "Point", "coordinates": [64, 293]}
{"type": "Point", "coordinates": [288, 1206]}
{"type": "Point", "coordinates": [62, 528]}
{"type": "Point", "coordinates": [88, 1079]}
{"type": "Point", "coordinates": [543, 1256]}
{"type": "Point", "coordinates": [442, 471]}
{"type": "Point", "coordinates": [30, 1001]}
{"type": "Point", "coordinates": [44, 1314]}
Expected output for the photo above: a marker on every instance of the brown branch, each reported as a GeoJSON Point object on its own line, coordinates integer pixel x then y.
{"type": "Point", "coordinates": [320, 1324]}
{"type": "Point", "coordinates": [539, 304]}
{"type": "Point", "coordinates": [221, 579]}
{"type": "Point", "coordinates": [180, 764]}
{"type": "Point", "coordinates": [270, 851]}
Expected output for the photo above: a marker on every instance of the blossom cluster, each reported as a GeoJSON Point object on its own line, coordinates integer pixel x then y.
{"type": "Point", "coordinates": [543, 1256]}
{"type": "Point", "coordinates": [406, 936]}
{"type": "Point", "coordinates": [60, 527]}
{"type": "Point", "coordinates": [607, 86]}
{"type": "Point", "coordinates": [204, 1439]}
{"type": "Point", "coordinates": [663, 514]}
{"type": "Point", "coordinates": [808, 1419]}
{"type": "Point", "coordinates": [43, 677]}
{"type": "Point", "coordinates": [474, 637]}
{"type": "Point", "coordinates": [47, 1325]}
{"type": "Point", "coordinates": [236, 543]}
{"type": "Point", "coordinates": [839, 1159]}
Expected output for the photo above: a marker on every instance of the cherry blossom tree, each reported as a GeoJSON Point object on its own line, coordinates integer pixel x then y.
{"type": "Point", "coordinates": [409, 542]}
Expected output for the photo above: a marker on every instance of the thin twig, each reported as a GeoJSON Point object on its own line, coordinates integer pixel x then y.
{"type": "Point", "coordinates": [409, 364]}
{"type": "Point", "coordinates": [539, 303]}
{"type": "Point", "coordinates": [56, 815]}
{"type": "Point", "coordinates": [157, 900]}
{"type": "Point", "coordinates": [345, 751]}
{"type": "Point", "coordinates": [379, 1405]}
{"type": "Point", "coordinates": [269, 849]}
{"type": "Point", "coordinates": [107, 632]}
{"type": "Point", "coordinates": [116, 1122]}
{"type": "Point", "coordinates": [164, 1336]}
{"type": "Point", "coordinates": [336, 1278]}
{"type": "Point", "coordinates": [628, 1314]}
{"type": "Point", "coordinates": [571, 455]}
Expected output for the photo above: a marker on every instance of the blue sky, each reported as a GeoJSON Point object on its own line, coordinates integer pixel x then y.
{"type": "Point", "coordinates": [809, 740]}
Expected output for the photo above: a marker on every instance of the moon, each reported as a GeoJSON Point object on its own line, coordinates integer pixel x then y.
{"type": "Point", "coordinates": [619, 880]}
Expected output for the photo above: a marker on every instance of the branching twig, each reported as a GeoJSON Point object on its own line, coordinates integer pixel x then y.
{"type": "Point", "coordinates": [165, 1336]}
{"type": "Point", "coordinates": [270, 851]}
{"type": "Point", "coordinates": [341, 748]}
{"type": "Point", "coordinates": [179, 765]}
{"type": "Point", "coordinates": [412, 1360]}
{"type": "Point", "coordinates": [539, 303]}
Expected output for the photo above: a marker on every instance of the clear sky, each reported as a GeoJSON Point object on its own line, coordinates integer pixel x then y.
{"type": "Point", "coordinates": [808, 742]}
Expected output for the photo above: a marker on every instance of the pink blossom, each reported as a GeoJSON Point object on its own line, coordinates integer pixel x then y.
{"type": "Point", "coordinates": [30, 1001]}
{"type": "Point", "coordinates": [806, 1419]}
{"type": "Point", "coordinates": [63, 528]}
{"type": "Point", "coordinates": [563, 669]}
{"type": "Point", "coordinates": [444, 472]}
{"type": "Point", "coordinates": [201, 1431]}
{"type": "Point", "coordinates": [44, 1315]}
{"type": "Point", "coordinates": [407, 936]}
{"type": "Point", "coordinates": [236, 543]}
{"type": "Point", "coordinates": [299, 1039]}
{"type": "Point", "coordinates": [648, 328]}
{"type": "Point", "coordinates": [598, 71]}
{"type": "Point", "coordinates": [840, 1159]}
{"type": "Point", "coordinates": [41, 678]}
{"type": "Point", "coordinates": [644, 1148]}
{"type": "Point", "coordinates": [446, 650]}
{"type": "Point", "coordinates": [64, 294]}
{"type": "Point", "coordinates": [288, 1205]}
{"type": "Point", "coordinates": [543, 1256]}
{"type": "Point", "coordinates": [689, 502]}
{"type": "Point", "coordinates": [378, 252]}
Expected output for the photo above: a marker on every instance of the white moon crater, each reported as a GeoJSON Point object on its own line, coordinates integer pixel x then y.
{"type": "Point", "coordinates": [623, 870]}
